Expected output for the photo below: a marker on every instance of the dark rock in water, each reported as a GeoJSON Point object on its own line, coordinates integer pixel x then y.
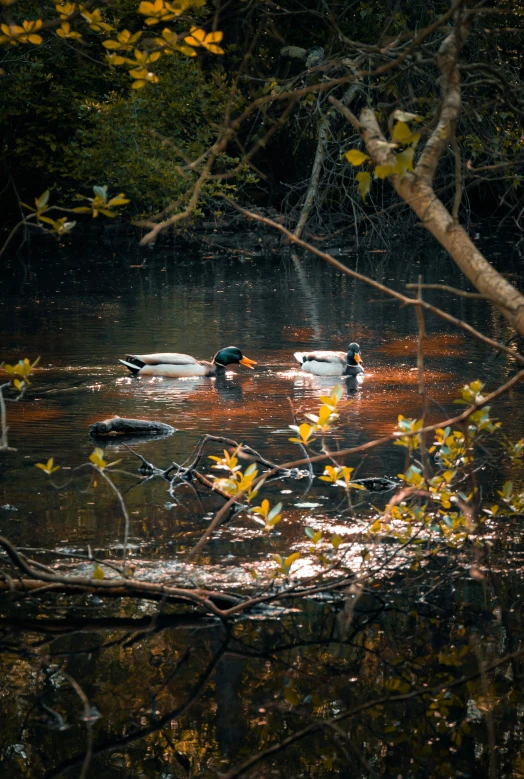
{"type": "Point", "coordinates": [377, 483]}
{"type": "Point", "coordinates": [121, 426]}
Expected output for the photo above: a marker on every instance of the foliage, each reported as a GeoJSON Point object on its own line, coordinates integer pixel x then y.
{"type": "Point", "coordinates": [401, 136]}
{"type": "Point", "coordinates": [75, 119]}
{"type": "Point", "coordinates": [140, 140]}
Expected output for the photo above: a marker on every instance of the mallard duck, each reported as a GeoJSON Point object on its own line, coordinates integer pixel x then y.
{"type": "Point", "coordinates": [332, 363]}
{"type": "Point", "coordinates": [173, 365]}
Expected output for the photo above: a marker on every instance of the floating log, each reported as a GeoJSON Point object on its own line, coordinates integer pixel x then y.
{"type": "Point", "coordinates": [121, 426]}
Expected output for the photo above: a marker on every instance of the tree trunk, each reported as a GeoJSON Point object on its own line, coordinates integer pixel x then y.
{"type": "Point", "coordinates": [434, 216]}
{"type": "Point", "coordinates": [323, 133]}
{"type": "Point", "coordinates": [416, 187]}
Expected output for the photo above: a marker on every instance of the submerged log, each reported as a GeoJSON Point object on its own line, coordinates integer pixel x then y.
{"type": "Point", "coordinates": [120, 426]}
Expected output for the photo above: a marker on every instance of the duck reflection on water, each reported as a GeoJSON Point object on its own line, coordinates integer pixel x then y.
{"type": "Point", "coordinates": [307, 384]}
{"type": "Point", "coordinates": [226, 385]}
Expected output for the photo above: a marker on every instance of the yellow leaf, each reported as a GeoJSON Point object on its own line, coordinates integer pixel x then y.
{"type": "Point", "coordinates": [356, 157]}
{"type": "Point", "coordinates": [115, 59]}
{"type": "Point", "coordinates": [119, 200]}
{"type": "Point", "coordinates": [97, 572]}
{"type": "Point", "coordinates": [197, 34]}
{"type": "Point", "coordinates": [305, 431]}
{"type": "Point", "coordinates": [383, 171]}
{"type": "Point", "coordinates": [97, 458]}
{"type": "Point", "coordinates": [187, 50]}
{"type": "Point", "coordinates": [404, 161]}
{"type": "Point", "coordinates": [48, 467]}
{"type": "Point", "coordinates": [288, 562]}
{"type": "Point", "coordinates": [401, 132]}
{"type": "Point", "coordinates": [364, 183]}
{"type": "Point", "coordinates": [138, 73]}
{"type": "Point", "coordinates": [214, 37]}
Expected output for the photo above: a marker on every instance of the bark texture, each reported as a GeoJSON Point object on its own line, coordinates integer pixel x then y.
{"type": "Point", "coordinates": [418, 193]}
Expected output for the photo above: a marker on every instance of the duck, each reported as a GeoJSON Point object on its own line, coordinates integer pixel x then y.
{"type": "Point", "coordinates": [322, 363]}
{"type": "Point", "coordinates": [172, 365]}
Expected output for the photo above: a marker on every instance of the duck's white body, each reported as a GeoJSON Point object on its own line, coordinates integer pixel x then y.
{"type": "Point", "coordinates": [169, 364]}
{"type": "Point", "coordinates": [322, 363]}
{"type": "Point", "coordinates": [173, 365]}
{"type": "Point", "coordinates": [326, 363]}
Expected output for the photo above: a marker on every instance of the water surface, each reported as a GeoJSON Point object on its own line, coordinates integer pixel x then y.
{"type": "Point", "coordinates": [80, 312]}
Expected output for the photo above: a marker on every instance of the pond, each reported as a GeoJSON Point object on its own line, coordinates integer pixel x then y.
{"type": "Point", "coordinates": [172, 695]}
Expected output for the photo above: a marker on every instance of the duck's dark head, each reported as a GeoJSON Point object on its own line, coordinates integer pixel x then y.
{"type": "Point", "coordinates": [232, 356]}
{"type": "Point", "coordinates": [353, 355]}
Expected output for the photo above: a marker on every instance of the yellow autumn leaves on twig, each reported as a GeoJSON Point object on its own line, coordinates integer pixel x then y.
{"type": "Point", "coordinates": [401, 135]}
{"type": "Point", "coordinates": [71, 14]}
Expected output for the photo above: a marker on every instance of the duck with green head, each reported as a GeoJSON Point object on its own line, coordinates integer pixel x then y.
{"type": "Point", "coordinates": [323, 363]}
{"type": "Point", "coordinates": [172, 365]}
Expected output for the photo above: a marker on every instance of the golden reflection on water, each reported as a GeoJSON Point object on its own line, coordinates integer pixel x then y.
{"type": "Point", "coordinates": [435, 345]}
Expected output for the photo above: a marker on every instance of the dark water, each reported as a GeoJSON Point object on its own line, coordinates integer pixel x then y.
{"type": "Point", "coordinates": [80, 313]}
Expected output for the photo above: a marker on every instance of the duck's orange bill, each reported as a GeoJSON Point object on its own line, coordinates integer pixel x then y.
{"type": "Point", "coordinates": [247, 362]}
{"type": "Point", "coordinates": [358, 358]}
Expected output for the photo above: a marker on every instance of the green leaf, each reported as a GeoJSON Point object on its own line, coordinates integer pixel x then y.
{"type": "Point", "coordinates": [101, 192]}
{"type": "Point", "coordinates": [356, 157]}
{"type": "Point", "coordinates": [364, 183]}
{"type": "Point", "coordinates": [43, 200]}
{"type": "Point", "coordinates": [274, 511]}
{"type": "Point", "coordinates": [291, 696]}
